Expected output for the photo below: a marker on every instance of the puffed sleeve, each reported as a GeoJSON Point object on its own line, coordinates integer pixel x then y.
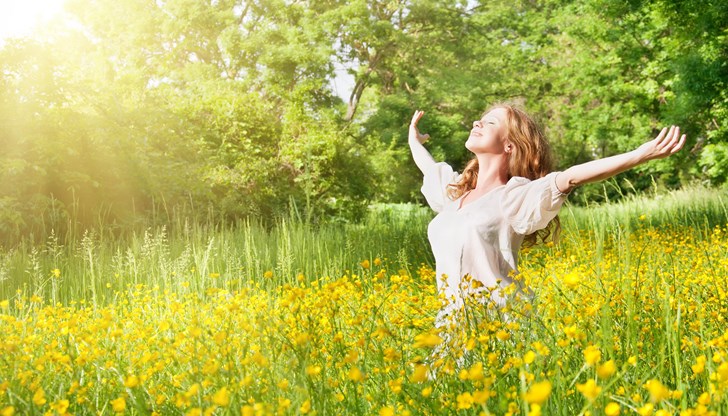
{"type": "Point", "coordinates": [434, 185]}
{"type": "Point", "coordinates": [530, 205]}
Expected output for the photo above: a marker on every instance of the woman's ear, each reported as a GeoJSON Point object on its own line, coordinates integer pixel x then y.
{"type": "Point", "coordinates": [508, 147]}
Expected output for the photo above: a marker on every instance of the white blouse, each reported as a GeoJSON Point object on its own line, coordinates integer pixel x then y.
{"type": "Point", "coordinates": [483, 237]}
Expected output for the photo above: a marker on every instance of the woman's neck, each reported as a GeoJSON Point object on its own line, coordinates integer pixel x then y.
{"type": "Point", "coordinates": [492, 171]}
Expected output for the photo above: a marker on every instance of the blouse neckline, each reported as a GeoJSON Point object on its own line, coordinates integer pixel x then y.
{"type": "Point", "coordinates": [460, 200]}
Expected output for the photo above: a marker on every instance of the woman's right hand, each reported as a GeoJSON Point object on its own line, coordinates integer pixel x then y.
{"type": "Point", "coordinates": [414, 133]}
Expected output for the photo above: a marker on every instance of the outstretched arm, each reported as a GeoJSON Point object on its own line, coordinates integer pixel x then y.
{"type": "Point", "coordinates": [665, 144]}
{"type": "Point", "coordinates": [423, 158]}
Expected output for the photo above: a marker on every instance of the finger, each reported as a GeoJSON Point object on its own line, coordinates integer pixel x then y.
{"type": "Point", "coordinates": [417, 116]}
{"type": "Point", "coordinates": [663, 140]}
{"type": "Point", "coordinates": [426, 137]}
{"type": "Point", "coordinates": [674, 138]}
{"type": "Point", "coordinates": [679, 144]}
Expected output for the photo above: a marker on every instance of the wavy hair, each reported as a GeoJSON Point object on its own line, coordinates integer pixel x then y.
{"type": "Point", "coordinates": [531, 158]}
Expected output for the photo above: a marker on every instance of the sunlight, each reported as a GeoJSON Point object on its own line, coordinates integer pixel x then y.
{"type": "Point", "coordinates": [20, 18]}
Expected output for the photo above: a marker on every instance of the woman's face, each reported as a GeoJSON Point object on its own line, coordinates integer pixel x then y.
{"type": "Point", "coordinates": [488, 133]}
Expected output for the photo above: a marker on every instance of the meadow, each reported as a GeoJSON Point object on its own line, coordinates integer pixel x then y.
{"type": "Point", "coordinates": [628, 317]}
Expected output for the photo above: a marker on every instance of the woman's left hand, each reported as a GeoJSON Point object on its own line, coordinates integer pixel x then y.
{"type": "Point", "coordinates": [665, 144]}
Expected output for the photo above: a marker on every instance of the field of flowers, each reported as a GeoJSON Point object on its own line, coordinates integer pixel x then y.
{"type": "Point", "coordinates": [625, 319]}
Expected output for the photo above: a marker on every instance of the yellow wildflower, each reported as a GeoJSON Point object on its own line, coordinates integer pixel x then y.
{"type": "Point", "coordinates": [420, 374]}
{"type": "Point", "coordinates": [428, 340]}
{"type": "Point", "coordinates": [131, 381]}
{"type": "Point", "coordinates": [590, 390]}
{"type": "Point", "coordinates": [607, 369]}
{"type": "Point", "coordinates": [612, 409]}
{"type": "Point", "coordinates": [313, 370]}
{"type": "Point", "coordinates": [386, 411]}
{"type": "Point", "coordinates": [465, 401]}
{"type": "Point", "coordinates": [699, 365]}
{"type": "Point", "coordinates": [658, 392]}
{"type": "Point", "coordinates": [39, 397]}
{"type": "Point", "coordinates": [118, 405]}
{"type": "Point", "coordinates": [355, 374]}
{"type": "Point", "coordinates": [538, 393]}
{"type": "Point", "coordinates": [502, 335]}
{"type": "Point", "coordinates": [534, 410]}
{"type": "Point", "coordinates": [646, 410]}
{"type": "Point", "coordinates": [571, 280]}
{"type": "Point", "coordinates": [592, 355]}
{"type": "Point", "coordinates": [222, 397]}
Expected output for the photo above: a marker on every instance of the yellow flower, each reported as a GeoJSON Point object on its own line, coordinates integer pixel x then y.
{"type": "Point", "coordinates": [534, 410]}
{"type": "Point", "coordinates": [426, 392]}
{"type": "Point", "coordinates": [476, 372]}
{"type": "Point", "coordinates": [592, 355]}
{"type": "Point", "coordinates": [56, 273]}
{"type": "Point", "coordinates": [214, 275]}
{"type": "Point", "coordinates": [131, 381]}
{"type": "Point", "coordinates": [502, 335]}
{"type": "Point", "coordinates": [268, 274]}
{"type": "Point", "coordinates": [658, 392]}
{"type": "Point", "coordinates": [632, 360]}
{"type": "Point", "coordinates": [365, 264]}
{"type": "Point", "coordinates": [4, 304]}
{"type": "Point", "coordinates": [386, 411]}
{"type": "Point", "coordinates": [646, 410]}
{"type": "Point", "coordinates": [465, 401]}
{"type": "Point", "coordinates": [118, 405]}
{"type": "Point", "coordinates": [481, 396]}
{"type": "Point", "coordinates": [427, 340]}
{"type": "Point", "coordinates": [313, 370]}
{"type": "Point", "coordinates": [529, 358]}
{"type": "Point", "coordinates": [420, 374]}
{"type": "Point", "coordinates": [699, 365]}
{"type": "Point", "coordinates": [355, 374]}
{"type": "Point", "coordinates": [222, 397]}
{"type": "Point", "coordinates": [539, 392]}
{"type": "Point", "coordinates": [377, 262]}
{"type": "Point", "coordinates": [247, 410]}
{"type": "Point", "coordinates": [607, 369]}
{"type": "Point", "coordinates": [612, 409]}
{"type": "Point", "coordinates": [7, 411]}
{"type": "Point", "coordinates": [590, 390]}
{"type": "Point", "coordinates": [305, 407]}
{"type": "Point", "coordinates": [39, 397]}
{"type": "Point", "coordinates": [571, 280]}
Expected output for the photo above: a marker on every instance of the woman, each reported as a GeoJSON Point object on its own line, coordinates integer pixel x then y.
{"type": "Point", "coordinates": [506, 195]}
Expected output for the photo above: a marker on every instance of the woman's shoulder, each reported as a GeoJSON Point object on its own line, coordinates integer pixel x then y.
{"type": "Point", "coordinates": [515, 181]}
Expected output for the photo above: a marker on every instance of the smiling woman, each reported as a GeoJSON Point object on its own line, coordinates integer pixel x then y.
{"type": "Point", "coordinates": [22, 18]}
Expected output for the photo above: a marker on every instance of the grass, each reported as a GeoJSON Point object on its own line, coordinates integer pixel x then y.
{"type": "Point", "coordinates": [629, 316]}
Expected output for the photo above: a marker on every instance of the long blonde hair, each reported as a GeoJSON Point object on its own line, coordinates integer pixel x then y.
{"type": "Point", "coordinates": [531, 158]}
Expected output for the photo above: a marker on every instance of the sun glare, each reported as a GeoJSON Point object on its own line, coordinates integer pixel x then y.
{"type": "Point", "coordinates": [20, 18]}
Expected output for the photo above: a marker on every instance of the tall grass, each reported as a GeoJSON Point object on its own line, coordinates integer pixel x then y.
{"type": "Point", "coordinates": [189, 253]}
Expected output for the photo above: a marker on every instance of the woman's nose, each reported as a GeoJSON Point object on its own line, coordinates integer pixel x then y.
{"type": "Point", "coordinates": [476, 123]}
